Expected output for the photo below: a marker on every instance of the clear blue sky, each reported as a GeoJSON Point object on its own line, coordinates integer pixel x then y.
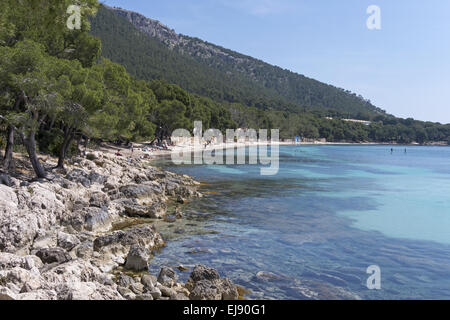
{"type": "Point", "coordinates": [403, 68]}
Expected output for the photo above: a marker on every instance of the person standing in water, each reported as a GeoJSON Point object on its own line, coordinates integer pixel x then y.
{"type": "Point", "coordinates": [392, 150]}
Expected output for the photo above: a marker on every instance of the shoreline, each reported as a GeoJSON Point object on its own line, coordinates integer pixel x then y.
{"type": "Point", "coordinates": [89, 234]}
{"type": "Point", "coordinates": [226, 146]}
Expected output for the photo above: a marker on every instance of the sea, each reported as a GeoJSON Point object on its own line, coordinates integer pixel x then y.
{"type": "Point", "coordinates": [336, 222]}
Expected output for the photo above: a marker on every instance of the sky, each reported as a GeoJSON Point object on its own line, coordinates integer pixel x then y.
{"type": "Point", "coordinates": [404, 68]}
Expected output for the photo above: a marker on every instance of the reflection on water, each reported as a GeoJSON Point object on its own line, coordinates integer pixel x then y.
{"type": "Point", "coordinates": [312, 230]}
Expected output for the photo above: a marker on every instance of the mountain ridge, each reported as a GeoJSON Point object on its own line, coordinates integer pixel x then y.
{"type": "Point", "coordinates": [269, 81]}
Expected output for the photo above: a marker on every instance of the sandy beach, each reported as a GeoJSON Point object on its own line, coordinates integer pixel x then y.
{"type": "Point", "coordinates": [146, 151]}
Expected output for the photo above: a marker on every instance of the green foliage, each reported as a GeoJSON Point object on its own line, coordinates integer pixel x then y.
{"type": "Point", "coordinates": [250, 82]}
{"type": "Point", "coordinates": [50, 141]}
{"type": "Point", "coordinates": [251, 94]}
{"type": "Point", "coordinates": [19, 148]}
{"type": "Point", "coordinates": [176, 108]}
{"type": "Point", "coordinates": [44, 21]}
{"type": "Point", "coordinates": [91, 157]}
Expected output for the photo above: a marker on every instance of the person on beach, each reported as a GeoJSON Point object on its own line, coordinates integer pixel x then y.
{"type": "Point", "coordinates": [132, 149]}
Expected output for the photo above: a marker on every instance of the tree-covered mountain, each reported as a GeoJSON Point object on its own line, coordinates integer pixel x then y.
{"type": "Point", "coordinates": [157, 52]}
{"type": "Point", "coordinates": [254, 93]}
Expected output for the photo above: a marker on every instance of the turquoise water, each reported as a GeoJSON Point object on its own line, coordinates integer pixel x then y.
{"type": "Point", "coordinates": [314, 228]}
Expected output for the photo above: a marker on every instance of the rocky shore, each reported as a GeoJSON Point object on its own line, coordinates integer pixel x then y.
{"type": "Point", "coordinates": [74, 237]}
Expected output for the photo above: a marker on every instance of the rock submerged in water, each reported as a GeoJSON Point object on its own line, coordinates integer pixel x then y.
{"type": "Point", "coordinates": [264, 275]}
{"type": "Point", "coordinates": [167, 277]}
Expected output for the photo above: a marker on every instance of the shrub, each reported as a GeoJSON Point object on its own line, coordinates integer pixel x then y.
{"type": "Point", "coordinates": [91, 156]}
{"type": "Point", "coordinates": [50, 142]}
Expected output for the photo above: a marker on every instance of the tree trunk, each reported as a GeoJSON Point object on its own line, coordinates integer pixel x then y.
{"type": "Point", "coordinates": [30, 144]}
{"type": "Point", "coordinates": [78, 145]}
{"type": "Point", "coordinates": [68, 137]}
{"type": "Point", "coordinates": [8, 159]}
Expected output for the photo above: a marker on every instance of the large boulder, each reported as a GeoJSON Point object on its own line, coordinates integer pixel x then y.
{"type": "Point", "coordinates": [175, 186]}
{"type": "Point", "coordinates": [10, 261]}
{"type": "Point", "coordinates": [87, 291]}
{"type": "Point", "coordinates": [167, 277]}
{"type": "Point", "coordinates": [124, 281]}
{"type": "Point", "coordinates": [44, 239]}
{"type": "Point", "coordinates": [148, 282]}
{"type": "Point", "coordinates": [145, 236]}
{"type": "Point", "coordinates": [7, 294]}
{"type": "Point", "coordinates": [139, 191]}
{"type": "Point", "coordinates": [97, 219]}
{"type": "Point", "coordinates": [99, 199]}
{"type": "Point", "coordinates": [18, 277]}
{"type": "Point", "coordinates": [90, 219]}
{"type": "Point", "coordinates": [24, 215]}
{"type": "Point", "coordinates": [168, 292]}
{"type": "Point", "coordinates": [201, 272]}
{"type": "Point", "coordinates": [115, 247]}
{"type": "Point", "coordinates": [137, 258]}
{"type": "Point", "coordinates": [205, 290]}
{"type": "Point", "coordinates": [8, 199]}
{"type": "Point", "coordinates": [38, 295]}
{"type": "Point", "coordinates": [6, 180]}
{"type": "Point", "coordinates": [154, 211]}
{"type": "Point", "coordinates": [205, 284]}
{"type": "Point", "coordinates": [86, 179]}
{"type": "Point", "coordinates": [67, 241]}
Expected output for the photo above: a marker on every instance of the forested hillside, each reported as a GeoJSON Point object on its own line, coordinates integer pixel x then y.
{"type": "Point", "coordinates": [256, 94]}
{"type": "Point", "coordinates": [221, 74]}
{"type": "Point", "coordinates": [147, 58]}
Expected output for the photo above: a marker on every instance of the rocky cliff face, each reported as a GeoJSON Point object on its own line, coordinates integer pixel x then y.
{"type": "Point", "coordinates": [194, 47]}
{"type": "Point", "coordinates": [151, 27]}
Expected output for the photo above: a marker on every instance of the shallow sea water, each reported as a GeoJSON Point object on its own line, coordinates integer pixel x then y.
{"type": "Point", "coordinates": [312, 230]}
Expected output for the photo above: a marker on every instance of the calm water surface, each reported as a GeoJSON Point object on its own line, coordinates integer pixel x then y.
{"type": "Point", "coordinates": [312, 230]}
